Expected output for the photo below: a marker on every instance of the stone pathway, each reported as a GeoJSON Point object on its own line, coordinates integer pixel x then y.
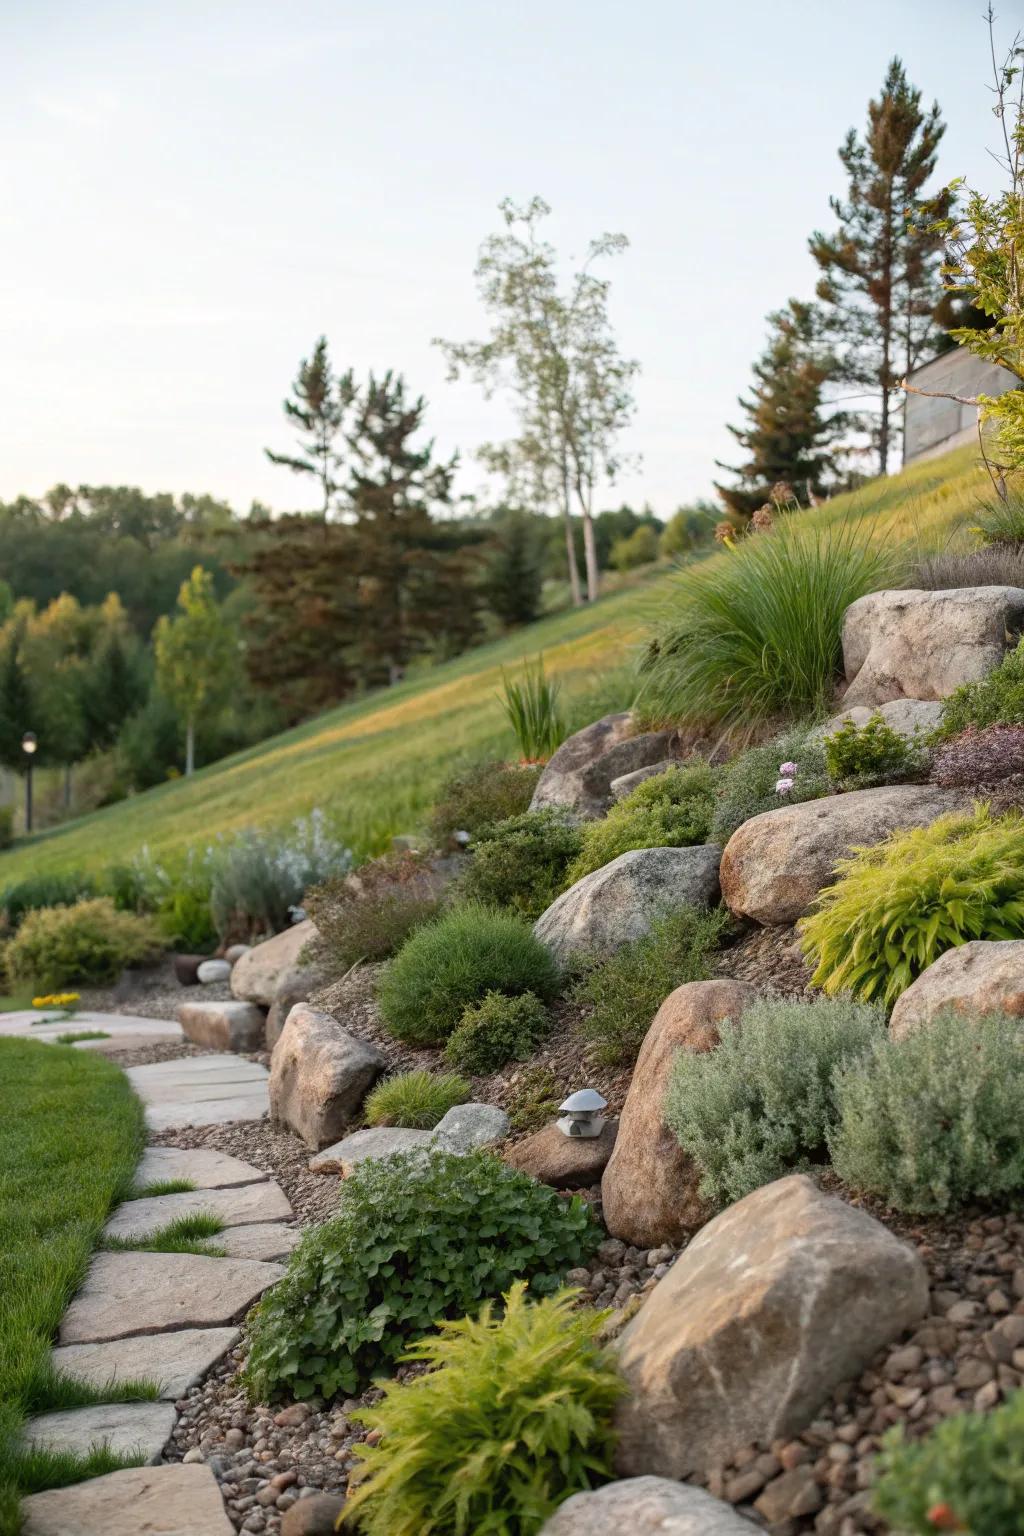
{"type": "Point", "coordinates": [123, 1030]}
{"type": "Point", "coordinates": [201, 1090]}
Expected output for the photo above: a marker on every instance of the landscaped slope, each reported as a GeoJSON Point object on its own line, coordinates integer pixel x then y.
{"type": "Point", "coordinates": [375, 764]}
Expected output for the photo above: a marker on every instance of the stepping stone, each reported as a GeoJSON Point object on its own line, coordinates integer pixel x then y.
{"type": "Point", "coordinates": [227, 1111]}
{"type": "Point", "coordinates": [226, 1026]}
{"type": "Point", "coordinates": [126, 1293]}
{"type": "Point", "coordinates": [125, 1428]}
{"type": "Point", "coordinates": [203, 1167]}
{"type": "Point", "coordinates": [176, 1361]}
{"type": "Point", "coordinates": [238, 1206]}
{"type": "Point", "coordinates": [161, 1501]}
{"type": "Point", "coordinates": [201, 1090]}
{"type": "Point", "coordinates": [268, 1240]}
{"type": "Point", "coordinates": [371, 1145]}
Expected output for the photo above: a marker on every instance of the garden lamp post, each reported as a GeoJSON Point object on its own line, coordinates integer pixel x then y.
{"type": "Point", "coordinates": [28, 746]}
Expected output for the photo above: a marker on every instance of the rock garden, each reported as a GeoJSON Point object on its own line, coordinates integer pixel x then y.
{"type": "Point", "coordinates": [637, 1147]}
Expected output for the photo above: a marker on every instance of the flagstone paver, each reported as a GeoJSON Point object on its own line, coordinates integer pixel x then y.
{"type": "Point", "coordinates": [202, 1167]}
{"type": "Point", "coordinates": [122, 1029]}
{"type": "Point", "coordinates": [124, 1428]}
{"type": "Point", "coordinates": [238, 1206]}
{"type": "Point", "coordinates": [268, 1240]}
{"type": "Point", "coordinates": [201, 1090]}
{"type": "Point", "coordinates": [159, 1501]}
{"type": "Point", "coordinates": [126, 1293]}
{"type": "Point", "coordinates": [175, 1361]}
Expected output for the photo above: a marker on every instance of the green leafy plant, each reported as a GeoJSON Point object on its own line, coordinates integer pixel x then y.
{"type": "Point", "coordinates": [475, 797]}
{"type": "Point", "coordinates": [513, 1416]}
{"type": "Point", "coordinates": [899, 905]}
{"type": "Point", "coordinates": [761, 1103]}
{"type": "Point", "coordinates": [671, 810]}
{"type": "Point", "coordinates": [933, 1120]}
{"type": "Point", "coordinates": [531, 708]}
{"type": "Point", "coordinates": [417, 1240]}
{"type": "Point", "coordinates": [44, 890]}
{"type": "Point", "coordinates": [965, 1475]}
{"type": "Point", "coordinates": [533, 1098]}
{"type": "Point", "coordinates": [997, 699]}
{"type": "Point", "coordinates": [749, 784]}
{"type": "Point", "coordinates": [496, 1030]}
{"type": "Point", "coordinates": [455, 961]}
{"type": "Point", "coordinates": [521, 862]}
{"type": "Point", "coordinates": [860, 756]}
{"type": "Point", "coordinates": [260, 878]}
{"type": "Point", "coordinates": [1001, 521]}
{"type": "Point", "coordinates": [417, 1099]}
{"type": "Point", "coordinates": [757, 632]}
{"type": "Point", "coordinates": [90, 942]}
{"type": "Point", "coordinates": [368, 915]}
{"type": "Point", "coordinates": [623, 992]}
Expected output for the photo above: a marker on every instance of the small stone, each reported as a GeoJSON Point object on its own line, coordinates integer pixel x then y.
{"type": "Point", "coordinates": [192, 1456]}
{"type": "Point", "coordinates": [234, 1438]}
{"type": "Point", "coordinates": [903, 1361]}
{"type": "Point", "coordinates": [291, 1417]}
{"type": "Point", "coordinates": [313, 1515]}
{"type": "Point", "coordinates": [792, 1494]}
{"type": "Point", "coordinates": [974, 1373]}
{"type": "Point", "coordinates": [997, 1301]}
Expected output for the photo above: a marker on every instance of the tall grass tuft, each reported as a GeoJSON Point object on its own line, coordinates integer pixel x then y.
{"type": "Point", "coordinates": [533, 712]}
{"type": "Point", "coordinates": [757, 633]}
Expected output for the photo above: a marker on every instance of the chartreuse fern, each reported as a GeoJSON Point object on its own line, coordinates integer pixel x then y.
{"type": "Point", "coordinates": [513, 1416]}
{"type": "Point", "coordinates": [899, 905]}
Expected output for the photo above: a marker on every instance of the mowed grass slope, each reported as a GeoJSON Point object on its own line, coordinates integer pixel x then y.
{"type": "Point", "coordinates": [375, 765]}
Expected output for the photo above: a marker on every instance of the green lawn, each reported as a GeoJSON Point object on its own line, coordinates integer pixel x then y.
{"type": "Point", "coordinates": [71, 1133]}
{"type": "Point", "coordinates": [375, 764]}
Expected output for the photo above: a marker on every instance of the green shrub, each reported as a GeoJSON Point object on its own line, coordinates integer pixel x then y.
{"type": "Point", "coordinates": [521, 863]}
{"type": "Point", "coordinates": [474, 797]}
{"type": "Point", "coordinates": [417, 1100]}
{"type": "Point", "coordinates": [898, 906]}
{"type": "Point", "coordinates": [964, 1476]}
{"type": "Point", "coordinates": [369, 915]}
{"type": "Point", "coordinates": [6, 826]}
{"type": "Point", "coordinates": [997, 699]}
{"type": "Point", "coordinates": [44, 890]}
{"type": "Point", "coordinates": [513, 1416]}
{"type": "Point", "coordinates": [496, 1030]}
{"type": "Point", "coordinates": [861, 756]}
{"type": "Point", "coordinates": [761, 1104]}
{"type": "Point", "coordinates": [748, 784]}
{"type": "Point", "coordinates": [933, 1120]}
{"type": "Point", "coordinates": [416, 1240]}
{"type": "Point", "coordinates": [757, 631]}
{"type": "Point", "coordinates": [531, 708]}
{"type": "Point", "coordinates": [671, 810]}
{"type": "Point", "coordinates": [625, 991]}
{"type": "Point", "coordinates": [533, 1098]}
{"type": "Point", "coordinates": [90, 943]}
{"type": "Point", "coordinates": [1001, 521]}
{"type": "Point", "coordinates": [259, 878]}
{"type": "Point", "coordinates": [453, 962]}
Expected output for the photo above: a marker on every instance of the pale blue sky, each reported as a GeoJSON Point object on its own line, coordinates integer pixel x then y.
{"type": "Point", "coordinates": [192, 192]}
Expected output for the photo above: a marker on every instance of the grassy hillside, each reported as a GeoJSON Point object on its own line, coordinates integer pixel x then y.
{"type": "Point", "coordinates": [375, 764]}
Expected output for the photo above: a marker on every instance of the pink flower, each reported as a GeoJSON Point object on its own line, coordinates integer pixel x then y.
{"type": "Point", "coordinates": [784, 786]}
{"type": "Point", "coordinates": [788, 770]}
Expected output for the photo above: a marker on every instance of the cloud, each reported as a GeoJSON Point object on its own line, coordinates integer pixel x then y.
{"type": "Point", "coordinates": [82, 109]}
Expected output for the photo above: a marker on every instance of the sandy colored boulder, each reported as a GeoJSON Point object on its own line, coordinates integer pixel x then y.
{"type": "Point", "coordinates": [295, 985]}
{"type": "Point", "coordinates": [319, 1076]}
{"type": "Point", "coordinates": [623, 900]}
{"type": "Point", "coordinates": [777, 1301]}
{"type": "Point", "coordinates": [923, 645]}
{"type": "Point", "coordinates": [167, 1501]}
{"type": "Point", "coordinates": [646, 1506]}
{"type": "Point", "coordinates": [566, 1162]}
{"type": "Point", "coordinates": [985, 976]}
{"type": "Point", "coordinates": [255, 974]}
{"type": "Point", "coordinates": [913, 718]}
{"type": "Point", "coordinates": [649, 1189]}
{"type": "Point", "coordinates": [227, 1026]}
{"type": "Point", "coordinates": [578, 777]}
{"type": "Point", "coordinates": [775, 864]}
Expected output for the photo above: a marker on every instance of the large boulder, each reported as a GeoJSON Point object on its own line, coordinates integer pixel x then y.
{"type": "Point", "coordinates": [319, 1076]}
{"type": "Point", "coordinates": [775, 864]}
{"type": "Point", "coordinates": [255, 975]}
{"type": "Point", "coordinates": [913, 718]}
{"type": "Point", "coordinates": [621, 901]}
{"type": "Point", "coordinates": [985, 976]}
{"type": "Point", "coordinates": [922, 645]}
{"type": "Point", "coordinates": [295, 985]}
{"type": "Point", "coordinates": [227, 1026]}
{"type": "Point", "coordinates": [578, 777]}
{"type": "Point", "coordinates": [649, 1189]}
{"type": "Point", "coordinates": [777, 1301]}
{"type": "Point", "coordinates": [646, 1506]}
{"type": "Point", "coordinates": [567, 1162]}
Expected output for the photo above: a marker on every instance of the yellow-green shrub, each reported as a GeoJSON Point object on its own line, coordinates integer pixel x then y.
{"type": "Point", "coordinates": [671, 810]}
{"type": "Point", "coordinates": [89, 942]}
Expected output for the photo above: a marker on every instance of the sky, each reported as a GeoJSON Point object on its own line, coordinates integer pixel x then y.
{"type": "Point", "coordinates": [192, 193]}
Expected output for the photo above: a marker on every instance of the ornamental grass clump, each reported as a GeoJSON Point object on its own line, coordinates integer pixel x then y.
{"type": "Point", "coordinates": [670, 810]}
{"type": "Point", "coordinates": [417, 1100]}
{"type": "Point", "coordinates": [513, 1416]}
{"type": "Point", "coordinates": [898, 906]}
{"type": "Point", "coordinates": [417, 1240]}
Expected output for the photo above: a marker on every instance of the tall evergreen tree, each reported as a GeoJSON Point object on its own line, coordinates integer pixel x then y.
{"type": "Point", "coordinates": [514, 577]}
{"type": "Point", "coordinates": [16, 713]}
{"type": "Point", "coordinates": [317, 411]}
{"type": "Point", "coordinates": [788, 436]}
{"type": "Point", "coordinates": [880, 281]}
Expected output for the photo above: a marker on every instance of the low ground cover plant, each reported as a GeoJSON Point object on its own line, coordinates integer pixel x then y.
{"type": "Point", "coordinates": [370, 916]}
{"type": "Point", "coordinates": [497, 1030]}
{"type": "Point", "coordinates": [997, 699]}
{"type": "Point", "coordinates": [533, 1098]}
{"type": "Point", "coordinates": [417, 1240]}
{"type": "Point", "coordinates": [452, 963]}
{"type": "Point", "coordinates": [932, 1121]}
{"type": "Point", "coordinates": [671, 810]}
{"type": "Point", "coordinates": [259, 878]}
{"type": "Point", "coordinates": [785, 771]}
{"type": "Point", "coordinates": [477, 796]}
{"type": "Point", "coordinates": [89, 943]}
{"type": "Point", "coordinates": [862, 756]}
{"type": "Point", "coordinates": [417, 1100]}
{"type": "Point", "coordinates": [896, 907]}
{"type": "Point", "coordinates": [761, 1104]}
{"type": "Point", "coordinates": [521, 862]}
{"type": "Point", "coordinates": [623, 992]}
{"type": "Point", "coordinates": [980, 755]}
{"type": "Point", "coordinates": [513, 1416]}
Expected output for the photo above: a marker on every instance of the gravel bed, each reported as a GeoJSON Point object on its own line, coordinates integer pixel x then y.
{"type": "Point", "coordinates": [276, 1152]}
{"type": "Point", "coordinates": [155, 993]}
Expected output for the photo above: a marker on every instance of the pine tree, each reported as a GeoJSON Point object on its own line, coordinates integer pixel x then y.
{"type": "Point", "coordinates": [317, 411]}
{"type": "Point", "coordinates": [880, 282]}
{"type": "Point", "coordinates": [788, 437]}
{"type": "Point", "coordinates": [16, 714]}
{"type": "Point", "coordinates": [514, 578]}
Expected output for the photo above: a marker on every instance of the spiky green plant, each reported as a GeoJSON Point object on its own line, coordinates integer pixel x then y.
{"type": "Point", "coordinates": [533, 713]}
{"type": "Point", "coordinates": [417, 1100]}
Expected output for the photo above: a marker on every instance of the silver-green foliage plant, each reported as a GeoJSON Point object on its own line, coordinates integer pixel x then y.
{"type": "Point", "coordinates": [417, 1100]}
{"type": "Point", "coordinates": [754, 781]}
{"type": "Point", "coordinates": [259, 878]}
{"type": "Point", "coordinates": [760, 1104]}
{"type": "Point", "coordinates": [933, 1121]}
{"type": "Point", "coordinates": [513, 1415]}
{"type": "Point", "coordinates": [670, 810]}
{"type": "Point", "coordinates": [531, 708]}
{"type": "Point", "coordinates": [417, 1240]}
